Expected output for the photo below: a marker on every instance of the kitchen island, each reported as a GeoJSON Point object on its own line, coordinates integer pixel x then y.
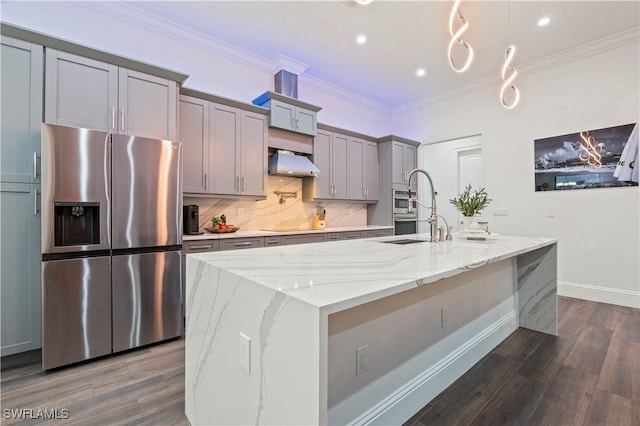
{"type": "Point", "coordinates": [353, 332]}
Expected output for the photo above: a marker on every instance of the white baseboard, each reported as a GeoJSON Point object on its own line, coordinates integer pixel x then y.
{"type": "Point", "coordinates": [417, 393]}
{"type": "Point", "coordinates": [599, 294]}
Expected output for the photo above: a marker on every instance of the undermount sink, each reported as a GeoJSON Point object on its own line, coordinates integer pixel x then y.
{"type": "Point", "coordinates": [405, 241]}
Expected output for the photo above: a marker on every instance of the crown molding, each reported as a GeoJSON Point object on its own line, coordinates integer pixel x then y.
{"type": "Point", "coordinates": [613, 41]}
{"type": "Point", "coordinates": [283, 62]}
{"type": "Point", "coordinates": [130, 14]}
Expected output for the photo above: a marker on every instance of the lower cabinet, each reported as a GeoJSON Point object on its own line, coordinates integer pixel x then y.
{"type": "Point", "coordinates": [353, 235]}
{"type": "Point", "coordinates": [241, 243]}
{"type": "Point", "coordinates": [20, 270]}
{"type": "Point", "coordinates": [377, 233]}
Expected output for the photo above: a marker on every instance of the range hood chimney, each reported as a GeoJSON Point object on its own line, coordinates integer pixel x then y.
{"type": "Point", "coordinates": [286, 83]}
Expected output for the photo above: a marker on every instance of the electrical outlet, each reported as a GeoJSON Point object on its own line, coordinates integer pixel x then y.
{"type": "Point", "coordinates": [362, 360]}
{"type": "Point", "coordinates": [501, 212]}
{"type": "Point", "coordinates": [240, 211]}
{"type": "Point", "coordinates": [550, 212]}
{"type": "Point", "coordinates": [244, 352]}
{"type": "Point", "coordinates": [443, 317]}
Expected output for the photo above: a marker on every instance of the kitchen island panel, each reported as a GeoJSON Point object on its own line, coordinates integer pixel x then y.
{"type": "Point", "coordinates": [283, 384]}
{"type": "Point", "coordinates": [537, 290]}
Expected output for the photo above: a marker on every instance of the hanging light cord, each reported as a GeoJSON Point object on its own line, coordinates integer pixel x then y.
{"type": "Point", "coordinates": [507, 67]}
{"type": "Point", "coordinates": [456, 39]}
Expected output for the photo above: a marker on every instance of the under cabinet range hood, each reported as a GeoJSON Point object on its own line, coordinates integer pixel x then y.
{"type": "Point", "coordinates": [287, 163]}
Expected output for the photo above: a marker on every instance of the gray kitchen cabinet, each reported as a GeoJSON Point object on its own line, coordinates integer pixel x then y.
{"type": "Point", "coordinates": [21, 84]}
{"type": "Point", "coordinates": [294, 118]}
{"type": "Point", "coordinates": [332, 236]}
{"type": "Point", "coordinates": [83, 92]}
{"type": "Point", "coordinates": [194, 135]}
{"type": "Point", "coordinates": [377, 233]}
{"type": "Point", "coordinates": [241, 243]}
{"type": "Point", "coordinates": [363, 169]}
{"type": "Point", "coordinates": [20, 268]}
{"type": "Point", "coordinates": [200, 246]}
{"type": "Point", "coordinates": [404, 160]}
{"type": "Point", "coordinates": [21, 116]}
{"type": "Point", "coordinates": [330, 155]}
{"type": "Point", "coordinates": [272, 241]}
{"type": "Point", "coordinates": [303, 239]}
{"type": "Point", "coordinates": [237, 151]}
{"type": "Point", "coordinates": [350, 235]}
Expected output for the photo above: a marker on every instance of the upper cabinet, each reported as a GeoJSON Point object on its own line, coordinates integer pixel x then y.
{"type": "Point", "coordinates": [83, 92]}
{"type": "Point", "coordinates": [404, 160]}
{"type": "Point", "coordinates": [224, 146]}
{"type": "Point", "coordinates": [289, 113]}
{"type": "Point", "coordinates": [348, 167]}
{"type": "Point", "coordinates": [330, 157]}
{"type": "Point", "coordinates": [21, 111]}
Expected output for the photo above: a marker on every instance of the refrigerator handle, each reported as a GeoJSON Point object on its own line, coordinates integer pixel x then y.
{"type": "Point", "coordinates": [35, 165]}
{"type": "Point", "coordinates": [122, 123]}
{"type": "Point", "coordinates": [113, 119]}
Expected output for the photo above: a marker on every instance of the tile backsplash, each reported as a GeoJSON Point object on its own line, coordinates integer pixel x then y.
{"type": "Point", "coordinates": [251, 215]}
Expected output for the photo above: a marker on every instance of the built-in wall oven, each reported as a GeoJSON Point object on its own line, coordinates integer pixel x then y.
{"type": "Point", "coordinates": [405, 214]}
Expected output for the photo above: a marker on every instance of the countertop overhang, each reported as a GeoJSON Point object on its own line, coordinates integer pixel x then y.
{"type": "Point", "coordinates": [334, 276]}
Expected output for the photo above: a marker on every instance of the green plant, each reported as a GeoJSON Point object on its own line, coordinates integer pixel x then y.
{"type": "Point", "coordinates": [469, 204]}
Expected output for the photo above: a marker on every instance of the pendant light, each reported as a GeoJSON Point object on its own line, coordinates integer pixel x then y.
{"type": "Point", "coordinates": [508, 72]}
{"type": "Point", "coordinates": [456, 39]}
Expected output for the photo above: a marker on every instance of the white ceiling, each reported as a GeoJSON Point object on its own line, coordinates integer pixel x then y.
{"type": "Point", "coordinates": [402, 36]}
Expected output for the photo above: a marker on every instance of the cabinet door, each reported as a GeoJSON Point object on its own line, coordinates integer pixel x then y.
{"type": "Point", "coordinates": [340, 166]}
{"type": "Point", "coordinates": [147, 105]}
{"type": "Point", "coordinates": [306, 121]}
{"type": "Point", "coordinates": [20, 269]}
{"type": "Point", "coordinates": [80, 92]}
{"type": "Point", "coordinates": [282, 115]}
{"type": "Point", "coordinates": [224, 137]}
{"type": "Point", "coordinates": [194, 135]}
{"type": "Point", "coordinates": [241, 243]}
{"type": "Point", "coordinates": [21, 110]}
{"type": "Point", "coordinates": [356, 169]}
{"type": "Point", "coordinates": [253, 154]}
{"type": "Point", "coordinates": [409, 162]}
{"type": "Point", "coordinates": [399, 176]}
{"type": "Point", "coordinates": [322, 160]}
{"type": "Point", "coordinates": [371, 170]}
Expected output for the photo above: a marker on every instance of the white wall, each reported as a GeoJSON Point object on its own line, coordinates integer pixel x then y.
{"type": "Point", "coordinates": [116, 29]}
{"type": "Point", "coordinates": [597, 229]}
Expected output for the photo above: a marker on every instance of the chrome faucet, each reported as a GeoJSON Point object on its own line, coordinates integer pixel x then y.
{"type": "Point", "coordinates": [433, 219]}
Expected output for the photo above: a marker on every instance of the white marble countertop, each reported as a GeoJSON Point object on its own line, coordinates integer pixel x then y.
{"type": "Point", "coordinates": [261, 233]}
{"type": "Point", "coordinates": [338, 275]}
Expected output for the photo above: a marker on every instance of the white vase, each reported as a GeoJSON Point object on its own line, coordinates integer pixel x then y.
{"type": "Point", "coordinates": [469, 223]}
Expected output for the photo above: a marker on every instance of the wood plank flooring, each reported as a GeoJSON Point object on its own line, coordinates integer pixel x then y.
{"type": "Point", "coordinates": [588, 375]}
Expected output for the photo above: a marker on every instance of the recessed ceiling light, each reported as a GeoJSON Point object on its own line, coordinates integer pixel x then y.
{"type": "Point", "coordinates": [361, 39]}
{"type": "Point", "coordinates": [544, 21]}
{"type": "Point", "coordinates": [421, 72]}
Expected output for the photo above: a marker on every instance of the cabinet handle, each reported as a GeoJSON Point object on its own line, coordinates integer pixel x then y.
{"type": "Point", "coordinates": [113, 118]}
{"type": "Point", "coordinates": [366, 192]}
{"type": "Point", "coordinates": [293, 123]}
{"type": "Point", "coordinates": [272, 241]}
{"type": "Point", "coordinates": [35, 165]}
{"type": "Point", "coordinates": [122, 119]}
{"type": "Point", "coordinates": [35, 203]}
{"type": "Point", "coordinates": [237, 188]}
{"type": "Point", "coordinates": [206, 181]}
{"type": "Point", "coordinates": [242, 184]}
{"type": "Point", "coordinates": [296, 123]}
{"type": "Point", "coordinates": [246, 243]}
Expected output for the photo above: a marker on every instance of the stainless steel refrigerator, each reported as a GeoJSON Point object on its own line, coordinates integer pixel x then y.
{"type": "Point", "coordinates": [111, 243]}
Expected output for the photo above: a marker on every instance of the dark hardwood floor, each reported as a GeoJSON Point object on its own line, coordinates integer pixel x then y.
{"type": "Point", "coordinates": [588, 375]}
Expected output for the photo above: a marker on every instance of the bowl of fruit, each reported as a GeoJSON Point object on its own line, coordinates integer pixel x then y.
{"type": "Point", "coordinates": [219, 225]}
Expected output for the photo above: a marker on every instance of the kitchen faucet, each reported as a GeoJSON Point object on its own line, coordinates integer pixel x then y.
{"type": "Point", "coordinates": [433, 219]}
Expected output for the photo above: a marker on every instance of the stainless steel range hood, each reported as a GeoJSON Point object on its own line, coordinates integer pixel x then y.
{"type": "Point", "coordinates": [287, 163]}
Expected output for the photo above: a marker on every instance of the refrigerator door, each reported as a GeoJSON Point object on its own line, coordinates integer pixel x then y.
{"type": "Point", "coordinates": [76, 310]}
{"type": "Point", "coordinates": [76, 170]}
{"type": "Point", "coordinates": [147, 298]}
{"type": "Point", "coordinates": [147, 192]}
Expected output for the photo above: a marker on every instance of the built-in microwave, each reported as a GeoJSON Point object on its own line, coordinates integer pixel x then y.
{"type": "Point", "coordinates": [401, 203]}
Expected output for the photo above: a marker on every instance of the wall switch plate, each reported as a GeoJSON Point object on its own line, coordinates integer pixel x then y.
{"type": "Point", "coordinates": [550, 212]}
{"type": "Point", "coordinates": [240, 211]}
{"type": "Point", "coordinates": [244, 352]}
{"type": "Point", "coordinates": [362, 360]}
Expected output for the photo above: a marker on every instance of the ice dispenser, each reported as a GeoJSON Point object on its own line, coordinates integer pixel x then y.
{"type": "Point", "coordinates": [76, 223]}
